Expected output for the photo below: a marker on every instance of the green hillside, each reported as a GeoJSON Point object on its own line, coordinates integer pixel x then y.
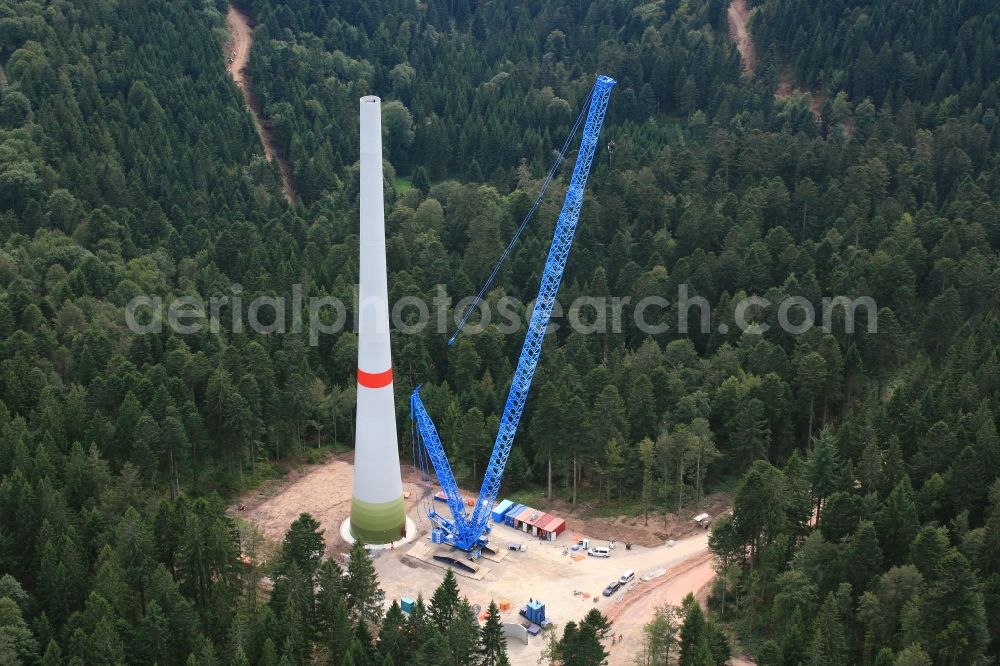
{"type": "Point", "coordinates": [865, 463]}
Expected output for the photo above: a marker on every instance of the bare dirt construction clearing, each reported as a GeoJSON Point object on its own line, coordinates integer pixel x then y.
{"type": "Point", "coordinates": [237, 56]}
{"type": "Point", "coordinates": [738, 14]}
{"type": "Point", "coordinates": [546, 570]}
{"type": "Point", "coordinates": [322, 490]}
{"type": "Point", "coordinates": [658, 530]}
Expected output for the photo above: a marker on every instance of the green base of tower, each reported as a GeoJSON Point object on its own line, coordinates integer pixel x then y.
{"type": "Point", "coordinates": [380, 523]}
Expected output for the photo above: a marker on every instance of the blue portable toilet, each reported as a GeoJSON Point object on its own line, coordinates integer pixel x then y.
{"type": "Point", "coordinates": [437, 535]}
{"type": "Point", "coordinates": [513, 513]}
{"type": "Point", "coordinates": [501, 509]}
{"type": "Point", "coordinates": [536, 611]}
{"type": "Point", "coordinates": [407, 604]}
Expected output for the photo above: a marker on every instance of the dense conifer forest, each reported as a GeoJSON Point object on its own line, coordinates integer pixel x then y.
{"type": "Point", "coordinates": [865, 466]}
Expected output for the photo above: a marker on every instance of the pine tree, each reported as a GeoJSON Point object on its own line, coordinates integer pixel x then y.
{"type": "Point", "coordinates": [829, 644]}
{"type": "Point", "coordinates": [434, 651]}
{"type": "Point", "coordinates": [897, 523]}
{"type": "Point", "coordinates": [694, 637]}
{"type": "Point", "coordinates": [129, 414]}
{"type": "Point", "coordinates": [361, 585]}
{"type": "Point", "coordinates": [494, 645]}
{"type": "Point", "coordinates": [822, 468]}
{"type": "Point", "coordinates": [17, 643]}
{"type": "Point", "coordinates": [567, 644]}
{"type": "Point", "coordinates": [154, 632]}
{"type": "Point", "coordinates": [863, 557]}
{"type": "Point", "coordinates": [421, 181]}
{"type": "Point", "coordinates": [811, 374]}
{"type": "Point", "coordinates": [303, 545]}
{"type": "Point", "coordinates": [391, 637]}
{"type": "Point", "coordinates": [895, 466]}
{"type": "Point", "coordinates": [759, 507]}
{"type": "Point", "coordinates": [357, 655]}
{"type": "Point", "coordinates": [297, 631]}
{"type": "Point", "coordinates": [331, 592]}
{"type": "Point", "coordinates": [53, 655]}
{"type": "Point", "coordinates": [444, 602]}
{"type": "Point", "coordinates": [769, 654]}
{"type": "Point", "coordinates": [582, 646]}
{"type": "Point", "coordinates": [884, 658]}
{"type": "Point", "coordinates": [417, 626]}
{"type": "Point", "coordinates": [952, 619]}
{"type": "Point", "coordinates": [795, 645]}
{"type": "Point", "coordinates": [598, 621]}
{"type": "Point", "coordinates": [718, 645]}
{"type": "Point", "coordinates": [463, 635]}
{"type": "Point", "coordinates": [339, 634]}
{"type": "Point", "coordinates": [841, 514]}
{"type": "Point", "coordinates": [362, 648]}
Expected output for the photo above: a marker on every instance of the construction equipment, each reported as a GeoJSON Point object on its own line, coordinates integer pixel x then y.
{"type": "Point", "coordinates": [466, 531]}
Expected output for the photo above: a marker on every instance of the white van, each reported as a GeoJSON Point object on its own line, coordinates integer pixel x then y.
{"type": "Point", "coordinates": [627, 577]}
{"type": "Point", "coordinates": [599, 551]}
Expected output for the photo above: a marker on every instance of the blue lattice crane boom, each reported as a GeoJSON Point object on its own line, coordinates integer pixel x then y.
{"type": "Point", "coordinates": [463, 530]}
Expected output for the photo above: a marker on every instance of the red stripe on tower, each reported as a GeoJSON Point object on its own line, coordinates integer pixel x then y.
{"type": "Point", "coordinates": [374, 380]}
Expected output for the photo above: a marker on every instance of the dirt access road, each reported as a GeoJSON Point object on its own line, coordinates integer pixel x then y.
{"type": "Point", "coordinates": [693, 574]}
{"type": "Point", "coordinates": [738, 15]}
{"type": "Point", "coordinates": [237, 55]}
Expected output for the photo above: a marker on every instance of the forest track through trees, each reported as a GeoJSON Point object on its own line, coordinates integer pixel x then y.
{"type": "Point", "coordinates": [237, 57]}
{"type": "Point", "coordinates": [738, 15]}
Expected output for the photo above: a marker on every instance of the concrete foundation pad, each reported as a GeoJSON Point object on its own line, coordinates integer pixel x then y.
{"type": "Point", "coordinates": [411, 534]}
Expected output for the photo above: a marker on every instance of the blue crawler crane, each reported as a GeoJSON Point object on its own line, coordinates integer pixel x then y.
{"type": "Point", "coordinates": [465, 531]}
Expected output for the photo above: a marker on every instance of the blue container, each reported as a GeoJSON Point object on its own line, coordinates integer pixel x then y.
{"type": "Point", "coordinates": [513, 513]}
{"type": "Point", "coordinates": [501, 509]}
{"type": "Point", "coordinates": [407, 604]}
